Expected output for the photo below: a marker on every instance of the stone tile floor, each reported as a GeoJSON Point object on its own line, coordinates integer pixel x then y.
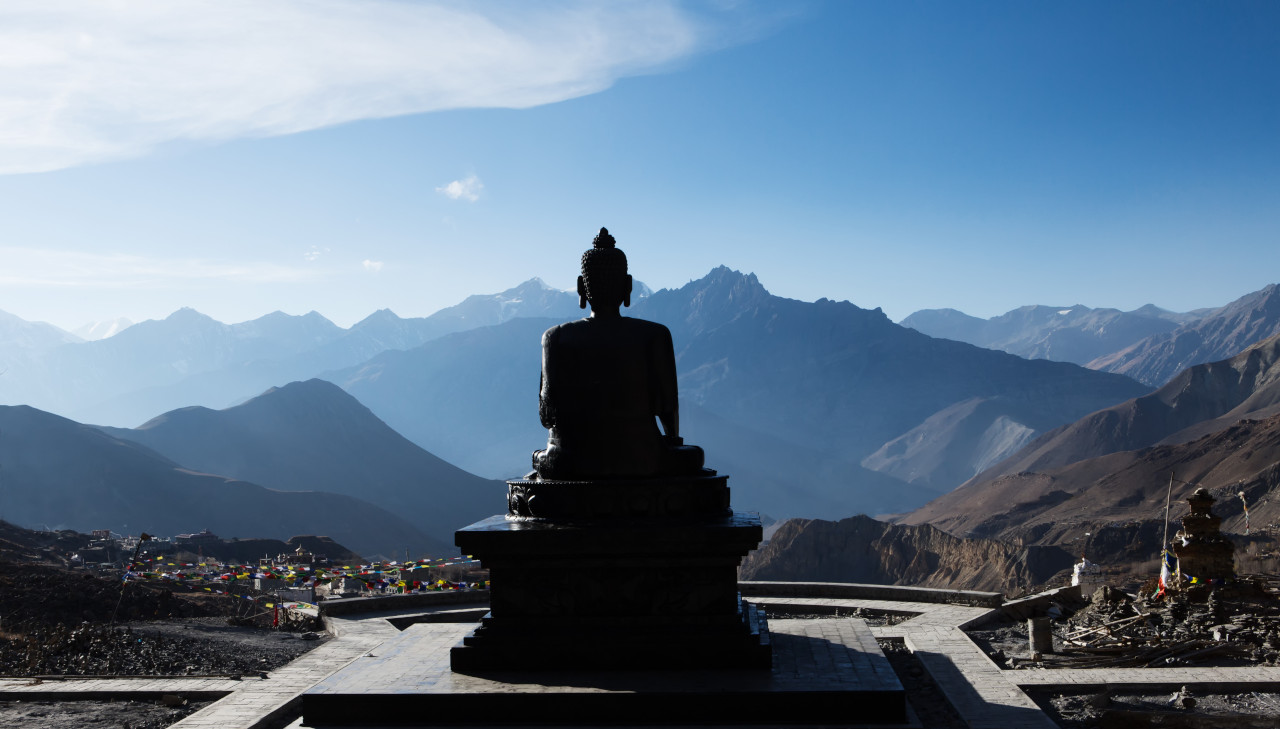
{"type": "Point", "coordinates": [985, 695]}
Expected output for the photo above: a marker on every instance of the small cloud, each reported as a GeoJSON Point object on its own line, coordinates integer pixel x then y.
{"type": "Point", "coordinates": [468, 189]}
{"type": "Point", "coordinates": [371, 266]}
{"type": "Point", "coordinates": [314, 252]}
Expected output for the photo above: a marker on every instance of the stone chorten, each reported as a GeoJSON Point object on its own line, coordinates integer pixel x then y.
{"type": "Point", "coordinates": [1204, 555]}
{"type": "Point", "coordinates": [619, 550]}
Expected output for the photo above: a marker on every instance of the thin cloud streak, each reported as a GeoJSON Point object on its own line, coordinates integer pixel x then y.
{"type": "Point", "coordinates": [89, 82]}
{"type": "Point", "coordinates": [71, 269]}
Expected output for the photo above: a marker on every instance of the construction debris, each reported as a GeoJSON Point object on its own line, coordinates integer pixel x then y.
{"type": "Point", "coordinates": [1217, 627]}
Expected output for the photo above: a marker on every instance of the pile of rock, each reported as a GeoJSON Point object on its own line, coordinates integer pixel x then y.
{"type": "Point", "coordinates": [1115, 629]}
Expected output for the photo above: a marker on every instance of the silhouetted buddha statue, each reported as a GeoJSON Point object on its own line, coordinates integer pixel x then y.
{"type": "Point", "coordinates": [604, 381]}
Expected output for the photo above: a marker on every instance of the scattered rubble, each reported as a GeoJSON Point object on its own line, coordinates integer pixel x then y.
{"type": "Point", "coordinates": [78, 714]}
{"type": "Point", "coordinates": [1212, 627]}
{"type": "Point", "coordinates": [179, 647]}
{"type": "Point", "coordinates": [57, 622]}
{"type": "Point", "coordinates": [1182, 709]}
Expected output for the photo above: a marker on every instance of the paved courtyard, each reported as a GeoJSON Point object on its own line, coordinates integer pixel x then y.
{"type": "Point", "coordinates": [984, 695]}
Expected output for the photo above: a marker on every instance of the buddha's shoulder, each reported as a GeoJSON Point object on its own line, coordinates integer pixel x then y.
{"type": "Point", "coordinates": [566, 328]}
{"type": "Point", "coordinates": [588, 327]}
{"type": "Point", "coordinates": [644, 325]}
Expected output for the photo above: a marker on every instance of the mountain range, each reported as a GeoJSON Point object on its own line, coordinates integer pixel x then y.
{"type": "Point", "coordinates": [191, 359]}
{"type": "Point", "coordinates": [312, 436]}
{"type": "Point", "coordinates": [1100, 486]}
{"type": "Point", "coordinates": [59, 473]}
{"type": "Point", "coordinates": [1218, 334]}
{"type": "Point", "coordinates": [1148, 344]}
{"type": "Point", "coordinates": [1076, 334]}
{"type": "Point", "coordinates": [811, 388]}
{"type": "Point", "coordinates": [1215, 425]}
{"type": "Point", "coordinates": [814, 409]}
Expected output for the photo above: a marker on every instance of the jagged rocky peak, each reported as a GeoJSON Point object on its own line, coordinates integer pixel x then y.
{"type": "Point", "coordinates": [732, 285]}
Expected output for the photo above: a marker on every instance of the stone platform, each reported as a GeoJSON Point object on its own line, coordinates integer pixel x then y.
{"type": "Point", "coordinates": [827, 672]}
{"type": "Point", "coordinates": [633, 592]}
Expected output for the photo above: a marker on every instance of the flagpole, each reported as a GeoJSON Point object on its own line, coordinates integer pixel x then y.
{"type": "Point", "coordinates": [1164, 545]}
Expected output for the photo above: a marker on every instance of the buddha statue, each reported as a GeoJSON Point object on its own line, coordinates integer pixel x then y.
{"type": "Point", "coordinates": [607, 381]}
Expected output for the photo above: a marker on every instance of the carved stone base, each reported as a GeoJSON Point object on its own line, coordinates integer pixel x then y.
{"type": "Point", "coordinates": [703, 495]}
{"type": "Point", "coordinates": [613, 594]}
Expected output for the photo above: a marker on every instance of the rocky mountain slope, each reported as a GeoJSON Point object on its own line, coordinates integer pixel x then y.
{"type": "Point", "coordinates": [1218, 334]}
{"type": "Point", "coordinates": [94, 330]}
{"type": "Point", "coordinates": [313, 436]}
{"type": "Point", "coordinates": [1200, 400]}
{"type": "Point", "coordinates": [1076, 334]}
{"type": "Point", "coordinates": [1114, 505]}
{"type": "Point", "coordinates": [61, 474]}
{"type": "Point", "coordinates": [1108, 475]}
{"type": "Point", "coordinates": [861, 549]}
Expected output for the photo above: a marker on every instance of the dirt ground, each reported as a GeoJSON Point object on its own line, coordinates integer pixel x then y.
{"type": "Point", "coordinates": [177, 647]}
{"type": "Point", "coordinates": [55, 621]}
{"type": "Point", "coordinates": [58, 622]}
{"type": "Point", "coordinates": [103, 714]}
{"type": "Point", "coordinates": [1189, 709]}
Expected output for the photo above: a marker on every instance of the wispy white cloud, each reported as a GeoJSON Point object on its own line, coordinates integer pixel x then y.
{"type": "Point", "coordinates": [82, 82]}
{"type": "Point", "coordinates": [314, 252]}
{"type": "Point", "coordinates": [468, 189]}
{"type": "Point", "coordinates": [371, 266]}
{"type": "Point", "coordinates": [75, 269]}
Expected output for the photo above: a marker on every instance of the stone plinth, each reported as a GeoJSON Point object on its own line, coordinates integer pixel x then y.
{"type": "Point", "coordinates": [826, 673]}
{"type": "Point", "coordinates": [644, 575]}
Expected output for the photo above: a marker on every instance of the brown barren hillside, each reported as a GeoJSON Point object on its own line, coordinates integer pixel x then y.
{"type": "Point", "coordinates": [861, 549]}
{"type": "Point", "coordinates": [1204, 398]}
{"type": "Point", "coordinates": [1057, 506]}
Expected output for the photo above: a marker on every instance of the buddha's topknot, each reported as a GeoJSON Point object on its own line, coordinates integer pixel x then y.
{"type": "Point", "coordinates": [604, 240]}
{"type": "Point", "coordinates": [604, 269]}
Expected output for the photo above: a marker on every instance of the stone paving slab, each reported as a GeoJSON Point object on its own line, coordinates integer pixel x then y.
{"type": "Point", "coordinates": [40, 690]}
{"type": "Point", "coordinates": [974, 685]}
{"type": "Point", "coordinates": [256, 703]}
{"type": "Point", "coordinates": [1257, 677]}
{"type": "Point", "coordinates": [827, 667]}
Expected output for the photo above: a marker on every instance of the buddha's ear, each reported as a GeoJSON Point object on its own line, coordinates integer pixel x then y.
{"type": "Point", "coordinates": [582, 293]}
{"type": "Point", "coordinates": [626, 298]}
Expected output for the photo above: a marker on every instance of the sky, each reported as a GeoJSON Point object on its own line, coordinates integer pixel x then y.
{"type": "Point", "coordinates": [345, 156]}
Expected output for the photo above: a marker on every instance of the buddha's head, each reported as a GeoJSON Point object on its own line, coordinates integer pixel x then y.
{"type": "Point", "coordinates": [604, 280]}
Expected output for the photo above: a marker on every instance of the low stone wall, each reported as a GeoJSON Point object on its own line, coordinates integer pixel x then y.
{"type": "Point", "coordinates": [870, 592]}
{"type": "Point", "coordinates": [1036, 605]}
{"type": "Point", "coordinates": [383, 603]}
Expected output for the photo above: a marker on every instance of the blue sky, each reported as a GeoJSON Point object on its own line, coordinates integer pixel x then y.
{"type": "Point", "coordinates": [343, 157]}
